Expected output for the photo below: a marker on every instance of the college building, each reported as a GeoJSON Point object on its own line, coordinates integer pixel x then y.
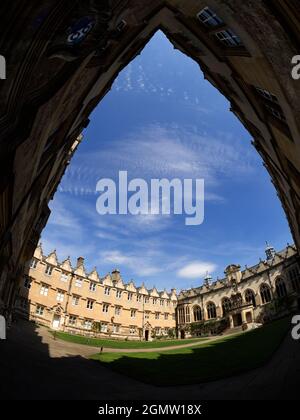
{"type": "Point", "coordinates": [243, 298]}
{"type": "Point", "coordinates": [71, 300]}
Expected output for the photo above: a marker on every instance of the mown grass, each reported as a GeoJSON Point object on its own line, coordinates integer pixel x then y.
{"type": "Point", "coordinates": [208, 361]}
{"type": "Point", "coordinates": [120, 344]}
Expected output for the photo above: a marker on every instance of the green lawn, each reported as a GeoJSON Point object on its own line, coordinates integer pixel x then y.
{"type": "Point", "coordinates": [208, 361]}
{"type": "Point", "coordinates": [120, 344]}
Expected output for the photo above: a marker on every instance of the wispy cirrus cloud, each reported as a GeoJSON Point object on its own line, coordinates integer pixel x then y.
{"type": "Point", "coordinates": [157, 151]}
{"type": "Point", "coordinates": [144, 261]}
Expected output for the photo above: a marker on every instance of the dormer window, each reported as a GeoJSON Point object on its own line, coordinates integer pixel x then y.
{"type": "Point", "coordinates": [93, 286]}
{"type": "Point", "coordinates": [107, 291]}
{"type": "Point", "coordinates": [48, 270]}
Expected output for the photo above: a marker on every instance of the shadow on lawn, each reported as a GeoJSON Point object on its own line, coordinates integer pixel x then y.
{"type": "Point", "coordinates": [210, 361]}
{"type": "Point", "coordinates": [28, 371]}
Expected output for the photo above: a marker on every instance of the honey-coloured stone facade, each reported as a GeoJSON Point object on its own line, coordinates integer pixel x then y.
{"type": "Point", "coordinates": [72, 300]}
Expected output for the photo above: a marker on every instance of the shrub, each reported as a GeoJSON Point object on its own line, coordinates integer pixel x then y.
{"type": "Point", "coordinates": [212, 327]}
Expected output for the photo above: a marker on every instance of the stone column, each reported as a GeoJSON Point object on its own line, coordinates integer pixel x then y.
{"type": "Point", "coordinates": [243, 313]}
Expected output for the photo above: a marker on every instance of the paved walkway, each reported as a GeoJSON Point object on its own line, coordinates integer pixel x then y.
{"type": "Point", "coordinates": [34, 367]}
{"type": "Point", "coordinates": [60, 348]}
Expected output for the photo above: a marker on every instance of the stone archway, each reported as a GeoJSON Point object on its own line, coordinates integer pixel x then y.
{"type": "Point", "coordinates": [147, 332]}
{"type": "Point", "coordinates": [57, 320]}
{"type": "Point", "coordinates": [64, 59]}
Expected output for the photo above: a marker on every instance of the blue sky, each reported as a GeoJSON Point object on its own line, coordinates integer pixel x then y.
{"type": "Point", "coordinates": [162, 119]}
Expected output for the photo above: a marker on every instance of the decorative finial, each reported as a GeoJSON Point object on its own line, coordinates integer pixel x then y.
{"type": "Point", "coordinates": [270, 252]}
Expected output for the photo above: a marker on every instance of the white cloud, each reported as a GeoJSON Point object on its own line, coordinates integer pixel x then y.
{"type": "Point", "coordinates": [196, 269]}
{"type": "Point", "coordinates": [141, 265]}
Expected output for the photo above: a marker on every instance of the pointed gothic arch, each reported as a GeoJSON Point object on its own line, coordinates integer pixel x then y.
{"type": "Point", "coordinates": [90, 44]}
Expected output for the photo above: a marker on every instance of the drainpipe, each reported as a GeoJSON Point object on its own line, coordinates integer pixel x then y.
{"type": "Point", "coordinates": [143, 318]}
{"type": "Point", "coordinates": [67, 300]}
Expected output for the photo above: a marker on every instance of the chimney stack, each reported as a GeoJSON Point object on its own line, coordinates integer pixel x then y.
{"type": "Point", "coordinates": [115, 275]}
{"type": "Point", "coordinates": [80, 261]}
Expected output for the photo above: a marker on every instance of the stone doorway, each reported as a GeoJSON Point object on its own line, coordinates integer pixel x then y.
{"type": "Point", "coordinates": [248, 317]}
{"type": "Point", "coordinates": [56, 322]}
{"type": "Point", "coordinates": [237, 320]}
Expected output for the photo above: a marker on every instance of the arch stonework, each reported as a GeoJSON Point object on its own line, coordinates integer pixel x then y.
{"type": "Point", "coordinates": [57, 74]}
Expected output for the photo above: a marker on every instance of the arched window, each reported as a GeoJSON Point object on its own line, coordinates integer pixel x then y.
{"type": "Point", "coordinates": [211, 310]}
{"type": "Point", "coordinates": [181, 317]}
{"type": "Point", "coordinates": [294, 278]}
{"type": "Point", "coordinates": [280, 287]}
{"type": "Point", "coordinates": [197, 313]}
{"type": "Point", "coordinates": [236, 300]}
{"type": "Point", "coordinates": [226, 305]}
{"type": "Point", "coordinates": [265, 293]}
{"type": "Point", "coordinates": [250, 297]}
{"type": "Point", "coordinates": [187, 314]}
